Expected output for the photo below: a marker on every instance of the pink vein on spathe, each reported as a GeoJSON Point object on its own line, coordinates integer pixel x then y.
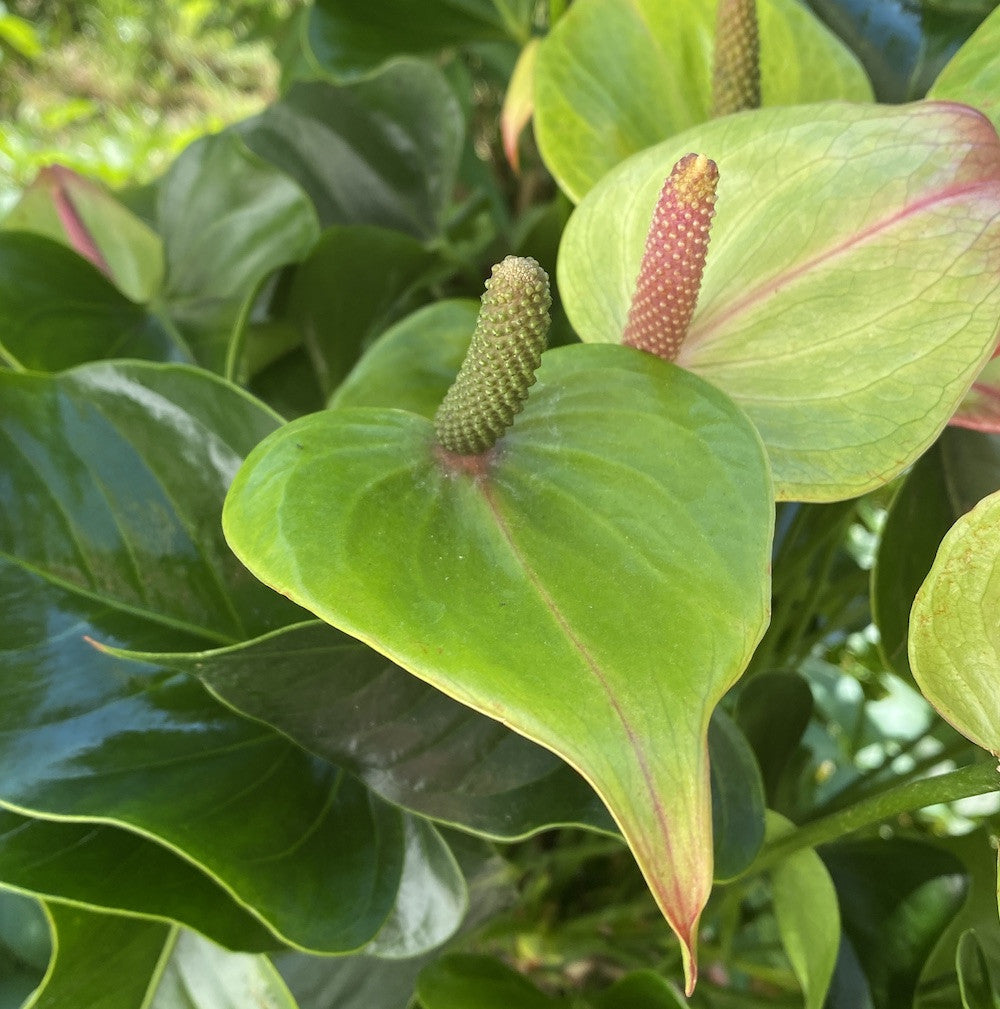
{"type": "Point", "coordinates": [550, 603]}
{"type": "Point", "coordinates": [701, 331]}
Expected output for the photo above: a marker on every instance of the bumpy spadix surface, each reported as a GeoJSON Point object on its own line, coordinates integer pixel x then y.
{"type": "Point", "coordinates": [597, 580]}
{"type": "Point", "coordinates": [736, 71]}
{"type": "Point", "coordinates": [673, 261]}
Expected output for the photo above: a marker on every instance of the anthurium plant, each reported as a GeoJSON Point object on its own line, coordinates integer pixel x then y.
{"type": "Point", "coordinates": [516, 524]}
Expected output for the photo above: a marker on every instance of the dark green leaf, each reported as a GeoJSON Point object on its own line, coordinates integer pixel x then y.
{"type": "Point", "coordinates": [974, 981]}
{"type": "Point", "coordinates": [737, 797]}
{"type": "Point", "coordinates": [348, 40]}
{"type": "Point", "coordinates": [383, 151]}
{"type": "Point", "coordinates": [464, 981]}
{"type": "Point", "coordinates": [228, 220]}
{"type": "Point", "coordinates": [347, 290]}
{"type": "Point", "coordinates": [412, 365]}
{"type": "Point", "coordinates": [57, 310]}
{"type": "Point", "coordinates": [895, 897]}
{"type": "Point", "coordinates": [114, 480]}
{"type": "Point", "coordinates": [642, 989]}
{"type": "Point", "coordinates": [106, 868]}
{"type": "Point", "coordinates": [87, 736]}
{"type": "Point", "coordinates": [410, 743]}
{"type": "Point", "coordinates": [773, 710]}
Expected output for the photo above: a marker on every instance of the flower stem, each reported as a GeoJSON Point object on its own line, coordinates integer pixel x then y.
{"type": "Point", "coordinates": [977, 779]}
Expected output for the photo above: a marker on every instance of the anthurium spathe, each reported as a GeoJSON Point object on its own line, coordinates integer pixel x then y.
{"type": "Point", "coordinates": [591, 570]}
{"type": "Point", "coordinates": [849, 333]}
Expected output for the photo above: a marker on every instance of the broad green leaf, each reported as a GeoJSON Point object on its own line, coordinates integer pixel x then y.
{"type": "Point", "coordinates": [348, 289]}
{"type": "Point", "coordinates": [627, 486]}
{"type": "Point", "coordinates": [642, 989]}
{"type": "Point", "coordinates": [114, 479]}
{"type": "Point", "coordinates": [805, 906]}
{"type": "Point", "coordinates": [737, 797]}
{"type": "Point", "coordinates": [954, 642]}
{"type": "Point", "coordinates": [349, 982]}
{"type": "Point", "coordinates": [410, 743]}
{"type": "Point", "coordinates": [80, 213]}
{"type": "Point", "coordinates": [383, 151]}
{"type": "Point", "coordinates": [974, 981]}
{"type": "Point", "coordinates": [228, 220]}
{"type": "Point", "coordinates": [113, 962]}
{"type": "Point", "coordinates": [833, 256]}
{"type": "Point", "coordinates": [896, 897]}
{"type": "Point", "coordinates": [972, 75]}
{"type": "Point", "coordinates": [57, 310]}
{"type": "Point", "coordinates": [614, 78]}
{"type": "Point", "coordinates": [74, 863]}
{"type": "Point", "coordinates": [88, 737]}
{"type": "Point", "coordinates": [25, 948]}
{"type": "Point", "coordinates": [350, 40]}
{"type": "Point", "coordinates": [412, 365]}
{"type": "Point", "coordinates": [463, 980]}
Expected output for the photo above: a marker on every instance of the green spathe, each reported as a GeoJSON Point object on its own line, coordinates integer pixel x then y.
{"type": "Point", "coordinates": [611, 553]}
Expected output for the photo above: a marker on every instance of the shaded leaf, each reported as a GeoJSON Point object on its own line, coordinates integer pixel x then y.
{"type": "Point", "coordinates": [614, 78]}
{"type": "Point", "coordinates": [410, 743]}
{"type": "Point", "coordinates": [974, 982]}
{"type": "Point", "coordinates": [348, 289]}
{"type": "Point", "coordinates": [641, 988]}
{"type": "Point", "coordinates": [954, 643]}
{"type": "Point", "coordinates": [413, 364]}
{"type": "Point", "coordinates": [57, 310]}
{"type": "Point", "coordinates": [812, 330]}
{"type": "Point", "coordinates": [895, 897]}
{"type": "Point", "coordinates": [384, 151]}
{"type": "Point", "coordinates": [109, 869]}
{"type": "Point", "coordinates": [980, 410]}
{"type": "Point", "coordinates": [228, 220]}
{"type": "Point", "coordinates": [89, 737]}
{"type": "Point", "coordinates": [461, 980]}
{"type": "Point", "coordinates": [348, 41]}
{"type": "Point", "coordinates": [410, 555]}
{"type": "Point", "coordinates": [114, 962]}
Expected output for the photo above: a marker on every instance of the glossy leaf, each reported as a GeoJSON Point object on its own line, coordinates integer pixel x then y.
{"type": "Point", "coordinates": [408, 742]}
{"type": "Point", "coordinates": [805, 906]}
{"type": "Point", "coordinates": [409, 556]}
{"type": "Point", "coordinates": [114, 481]}
{"type": "Point", "coordinates": [954, 642]}
{"type": "Point", "coordinates": [614, 78]}
{"type": "Point", "coordinates": [895, 897]}
{"type": "Point", "coordinates": [109, 869]}
{"type": "Point", "coordinates": [228, 220]}
{"type": "Point", "coordinates": [737, 797]}
{"type": "Point", "coordinates": [57, 310]}
{"type": "Point", "coordinates": [412, 365]}
{"type": "Point", "coordinates": [458, 981]}
{"type": "Point", "coordinates": [348, 41]}
{"type": "Point", "coordinates": [812, 330]}
{"type": "Point", "coordinates": [348, 289]}
{"type": "Point", "coordinates": [384, 151]}
{"type": "Point", "coordinates": [85, 736]}
{"type": "Point", "coordinates": [78, 212]}
{"type": "Point", "coordinates": [113, 962]}
{"type": "Point", "coordinates": [972, 75]}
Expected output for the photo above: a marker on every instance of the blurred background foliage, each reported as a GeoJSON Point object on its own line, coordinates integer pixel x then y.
{"type": "Point", "coordinates": [116, 88]}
